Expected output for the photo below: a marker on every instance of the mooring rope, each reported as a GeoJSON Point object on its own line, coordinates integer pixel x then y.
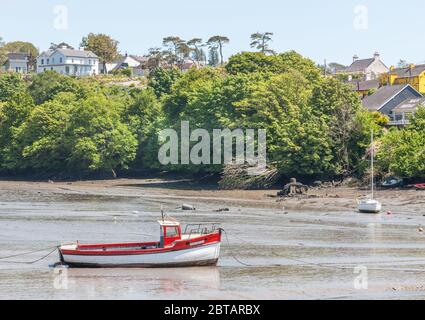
{"type": "Point", "coordinates": [233, 256]}
{"type": "Point", "coordinates": [27, 254]}
{"type": "Point", "coordinates": [327, 265]}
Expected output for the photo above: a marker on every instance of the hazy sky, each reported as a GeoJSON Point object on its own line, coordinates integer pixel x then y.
{"type": "Point", "coordinates": [319, 29]}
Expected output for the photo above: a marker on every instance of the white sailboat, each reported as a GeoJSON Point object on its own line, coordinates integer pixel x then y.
{"type": "Point", "coordinates": [369, 204]}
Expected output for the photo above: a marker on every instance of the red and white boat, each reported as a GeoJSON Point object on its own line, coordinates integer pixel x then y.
{"type": "Point", "coordinates": [420, 186]}
{"type": "Point", "coordinates": [198, 245]}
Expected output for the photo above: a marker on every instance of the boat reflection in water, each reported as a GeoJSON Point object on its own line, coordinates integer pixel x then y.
{"type": "Point", "coordinates": [179, 283]}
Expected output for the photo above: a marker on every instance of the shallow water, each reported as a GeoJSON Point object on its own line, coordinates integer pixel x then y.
{"type": "Point", "coordinates": [300, 255]}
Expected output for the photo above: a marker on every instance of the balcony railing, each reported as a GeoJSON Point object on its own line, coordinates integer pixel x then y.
{"type": "Point", "coordinates": [404, 122]}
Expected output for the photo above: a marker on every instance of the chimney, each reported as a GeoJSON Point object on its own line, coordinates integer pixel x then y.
{"type": "Point", "coordinates": [82, 48]}
{"type": "Point", "coordinates": [376, 55]}
{"type": "Point", "coordinates": [355, 58]}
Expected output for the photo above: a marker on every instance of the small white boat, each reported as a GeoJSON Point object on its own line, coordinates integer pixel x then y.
{"type": "Point", "coordinates": [198, 245]}
{"type": "Point", "coordinates": [370, 205]}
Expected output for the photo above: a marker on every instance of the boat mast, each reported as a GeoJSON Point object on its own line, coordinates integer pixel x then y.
{"type": "Point", "coordinates": [373, 168]}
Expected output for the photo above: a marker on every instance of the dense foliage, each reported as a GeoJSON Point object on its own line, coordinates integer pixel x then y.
{"type": "Point", "coordinates": [316, 126]}
{"type": "Point", "coordinates": [402, 152]}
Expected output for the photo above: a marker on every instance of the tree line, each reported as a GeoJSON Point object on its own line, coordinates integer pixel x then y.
{"type": "Point", "coordinates": [55, 125]}
{"type": "Point", "coordinates": [174, 52]}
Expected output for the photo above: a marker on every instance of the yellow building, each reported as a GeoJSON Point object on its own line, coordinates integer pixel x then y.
{"type": "Point", "coordinates": [413, 75]}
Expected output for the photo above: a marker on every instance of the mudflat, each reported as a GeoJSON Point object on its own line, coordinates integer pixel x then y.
{"type": "Point", "coordinates": [308, 248]}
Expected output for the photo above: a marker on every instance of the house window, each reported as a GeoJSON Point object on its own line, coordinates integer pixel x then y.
{"type": "Point", "coordinates": [42, 61]}
{"type": "Point", "coordinates": [53, 60]}
{"type": "Point", "coordinates": [48, 61]}
{"type": "Point", "coordinates": [61, 60]}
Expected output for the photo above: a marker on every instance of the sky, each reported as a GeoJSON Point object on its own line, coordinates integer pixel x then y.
{"type": "Point", "coordinates": [334, 30]}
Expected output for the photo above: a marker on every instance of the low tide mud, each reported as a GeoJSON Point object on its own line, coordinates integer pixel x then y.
{"type": "Point", "coordinates": [316, 248]}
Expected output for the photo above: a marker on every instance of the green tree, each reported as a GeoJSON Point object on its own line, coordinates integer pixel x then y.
{"type": "Point", "coordinates": [261, 41]}
{"type": "Point", "coordinates": [218, 42]}
{"type": "Point", "coordinates": [174, 45]}
{"type": "Point", "coordinates": [103, 46]}
{"type": "Point", "coordinates": [46, 85]}
{"type": "Point", "coordinates": [155, 59]}
{"type": "Point", "coordinates": [162, 80]}
{"type": "Point", "coordinates": [40, 142]}
{"type": "Point", "coordinates": [196, 47]}
{"type": "Point", "coordinates": [99, 141]}
{"type": "Point", "coordinates": [213, 57]}
{"type": "Point", "coordinates": [402, 64]}
{"type": "Point", "coordinates": [2, 52]}
{"type": "Point", "coordinates": [13, 113]}
{"type": "Point", "coordinates": [402, 152]}
{"type": "Point", "coordinates": [349, 124]}
{"type": "Point", "coordinates": [144, 118]}
{"type": "Point", "coordinates": [23, 47]}
{"type": "Point", "coordinates": [251, 62]}
{"type": "Point", "coordinates": [335, 67]}
{"type": "Point", "coordinates": [11, 84]}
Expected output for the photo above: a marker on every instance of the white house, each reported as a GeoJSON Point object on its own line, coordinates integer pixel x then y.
{"type": "Point", "coordinates": [367, 69]}
{"type": "Point", "coordinates": [68, 61]}
{"type": "Point", "coordinates": [17, 62]}
{"type": "Point", "coordinates": [135, 63]}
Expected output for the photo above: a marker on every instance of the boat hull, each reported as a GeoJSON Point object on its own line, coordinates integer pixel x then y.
{"type": "Point", "coordinates": [205, 255]}
{"type": "Point", "coordinates": [370, 207]}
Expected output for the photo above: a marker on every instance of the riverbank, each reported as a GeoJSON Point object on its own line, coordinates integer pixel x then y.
{"type": "Point", "coordinates": [189, 191]}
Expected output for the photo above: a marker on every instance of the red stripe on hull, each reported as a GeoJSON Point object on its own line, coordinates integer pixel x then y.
{"type": "Point", "coordinates": [90, 250]}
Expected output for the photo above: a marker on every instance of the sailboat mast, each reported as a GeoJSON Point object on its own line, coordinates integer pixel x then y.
{"type": "Point", "coordinates": [373, 167]}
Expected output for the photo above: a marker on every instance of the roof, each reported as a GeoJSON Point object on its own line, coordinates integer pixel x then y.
{"type": "Point", "coordinates": [77, 53]}
{"type": "Point", "coordinates": [168, 223]}
{"type": "Point", "coordinates": [70, 53]}
{"type": "Point", "coordinates": [127, 61]}
{"type": "Point", "coordinates": [140, 59]}
{"type": "Point", "coordinates": [364, 85]}
{"type": "Point", "coordinates": [17, 56]}
{"type": "Point", "coordinates": [408, 71]}
{"type": "Point", "coordinates": [384, 94]}
{"type": "Point", "coordinates": [409, 105]}
{"type": "Point", "coordinates": [360, 65]}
